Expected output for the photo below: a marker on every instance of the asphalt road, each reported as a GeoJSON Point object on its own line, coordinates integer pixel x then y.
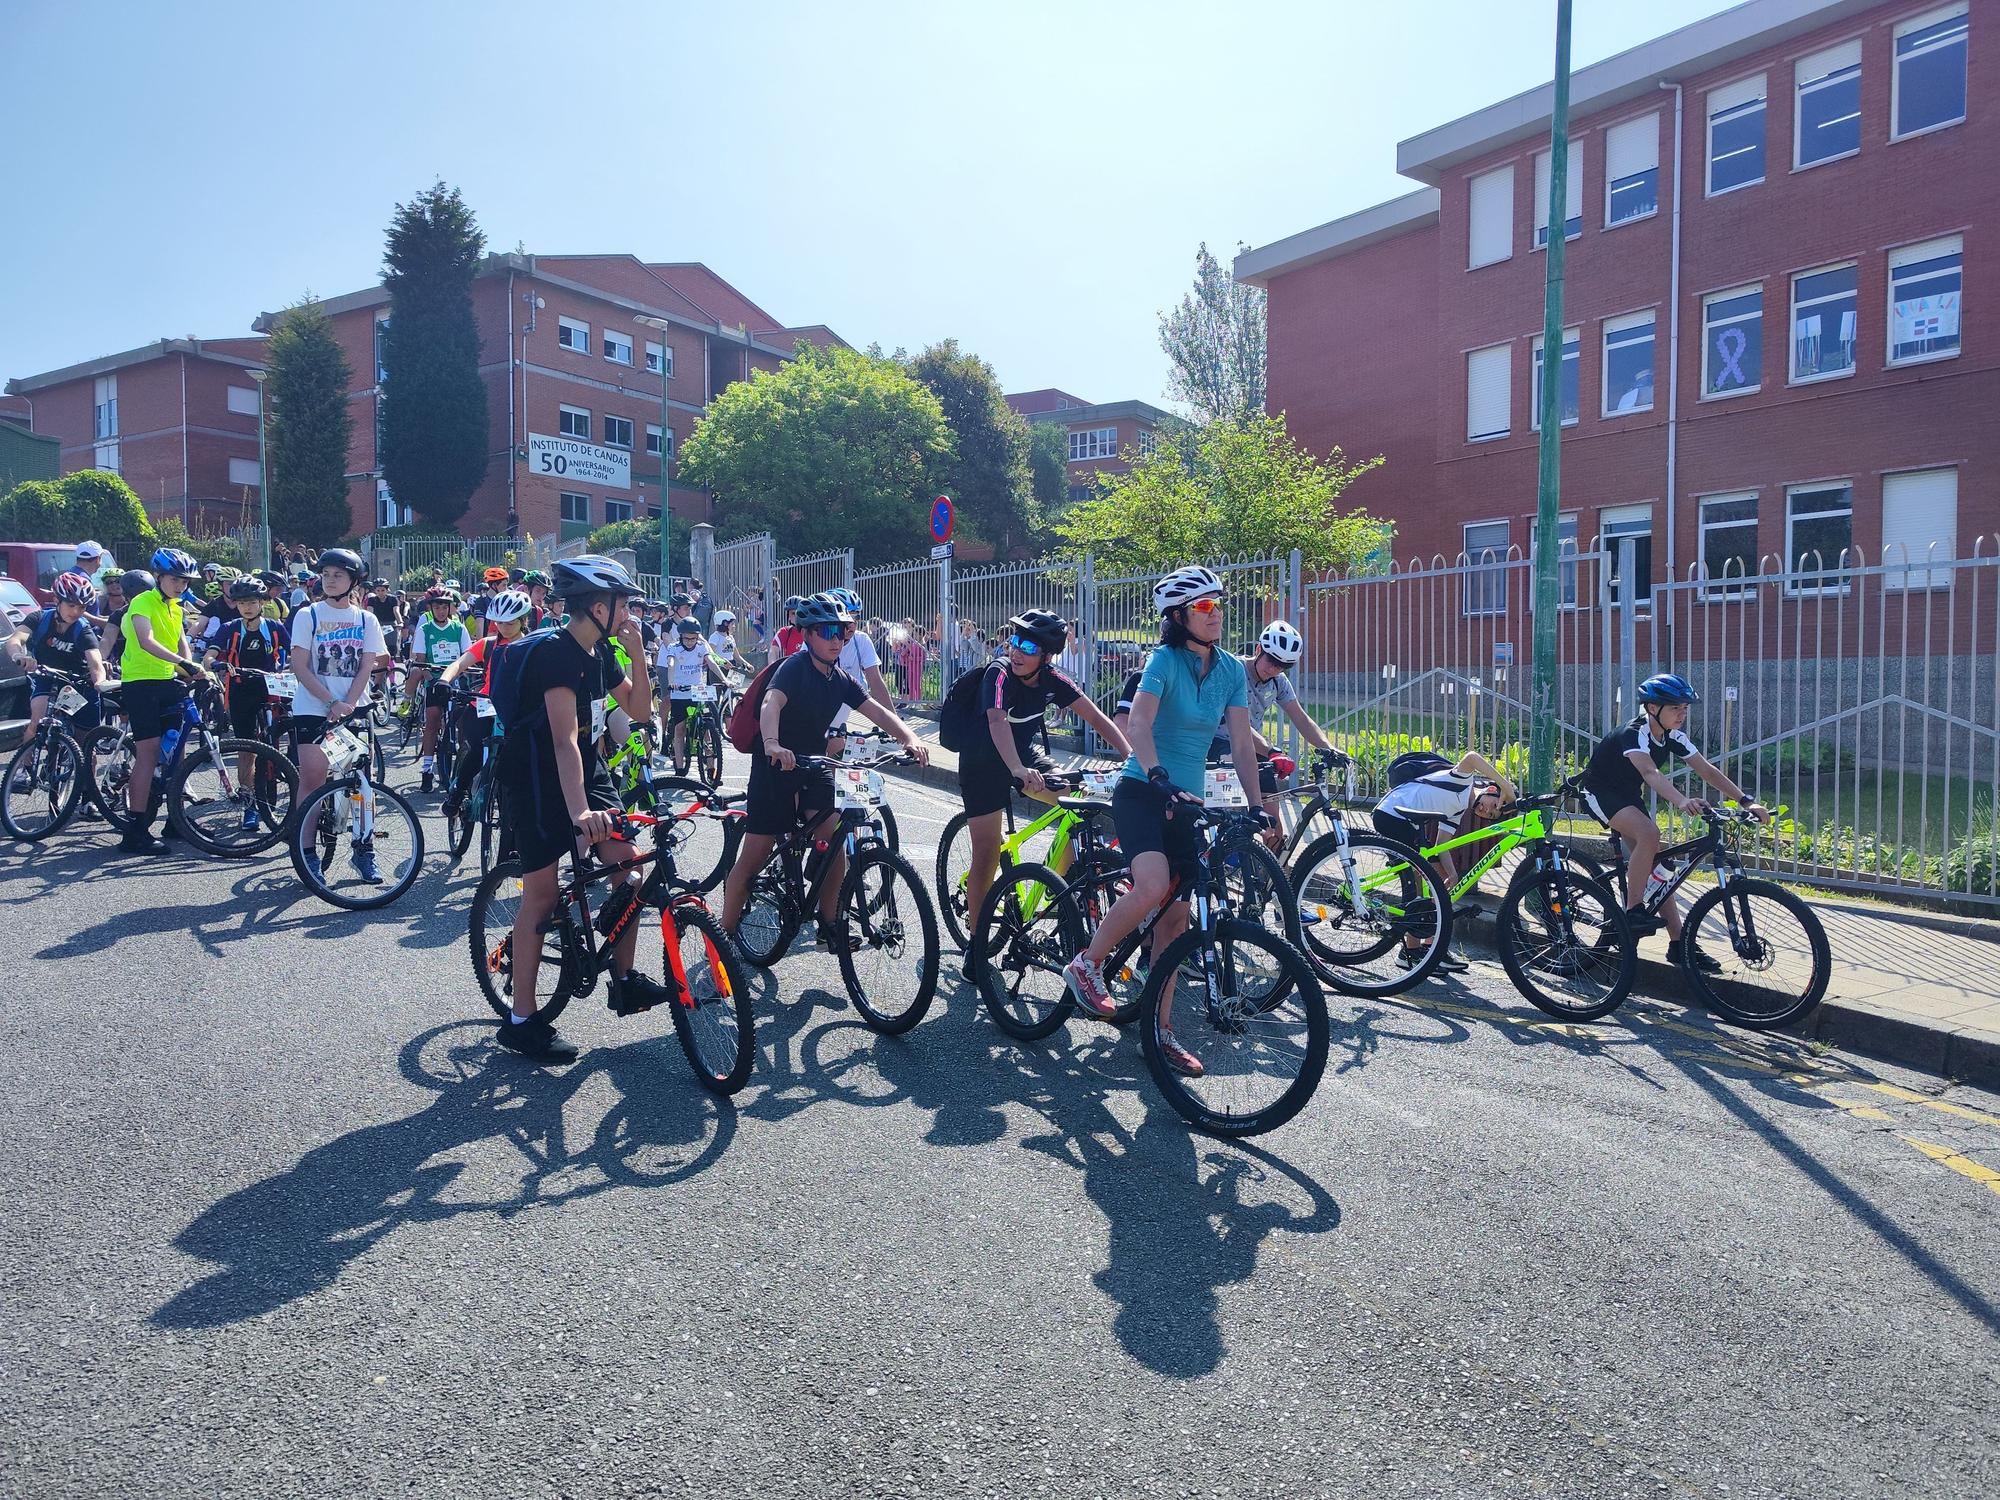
{"type": "Point", "coordinates": [280, 1220]}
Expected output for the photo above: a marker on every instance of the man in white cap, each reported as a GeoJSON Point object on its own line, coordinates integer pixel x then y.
{"type": "Point", "coordinates": [93, 562]}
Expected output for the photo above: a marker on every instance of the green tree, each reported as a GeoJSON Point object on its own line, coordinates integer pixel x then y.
{"type": "Point", "coordinates": [989, 477]}
{"type": "Point", "coordinates": [225, 551]}
{"type": "Point", "coordinates": [1214, 342]}
{"type": "Point", "coordinates": [37, 510]}
{"type": "Point", "coordinates": [434, 420]}
{"type": "Point", "coordinates": [1048, 466]}
{"type": "Point", "coordinates": [643, 537]}
{"type": "Point", "coordinates": [1231, 489]}
{"type": "Point", "coordinates": [102, 505]}
{"type": "Point", "coordinates": [836, 449]}
{"type": "Point", "coordinates": [309, 428]}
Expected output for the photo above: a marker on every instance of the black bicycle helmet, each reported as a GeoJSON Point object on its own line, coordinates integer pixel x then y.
{"type": "Point", "coordinates": [689, 626]}
{"type": "Point", "coordinates": [271, 578]}
{"type": "Point", "coordinates": [822, 609]}
{"type": "Point", "coordinates": [348, 562]}
{"type": "Point", "coordinates": [792, 602]}
{"type": "Point", "coordinates": [1667, 687]}
{"type": "Point", "coordinates": [1044, 627]}
{"type": "Point", "coordinates": [517, 575]}
{"type": "Point", "coordinates": [245, 588]}
{"type": "Point", "coordinates": [135, 581]}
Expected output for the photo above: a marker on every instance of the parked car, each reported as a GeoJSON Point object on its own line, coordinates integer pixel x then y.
{"type": "Point", "coordinates": [36, 565]}
{"type": "Point", "coordinates": [16, 604]}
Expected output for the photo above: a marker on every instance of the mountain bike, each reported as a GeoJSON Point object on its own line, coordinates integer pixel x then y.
{"type": "Point", "coordinates": [711, 1009]}
{"type": "Point", "coordinates": [1072, 824]}
{"type": "Point", "coordinates": [47, 777]}
{"type": "Point", "coordinates": [862, 747]}
{"type": "Point", "coordinates": [1563, 936]}
{"type": "Point", "coordinates": [887, 939]}
{"type": "Point", "coordinates": [701, 733]}
{"type": "Point", "coordinates": [1310, 811]}
{"type": "Point", "coordinates": [713, 817]}
{"type": "Point", "coordinates": [353, 803]}
{"type": "Point", "coordinates": [1374, 916]}
{"type": "Point", "coordinates": [1237, 995]}
{"type": "Point", "coordinates": [471, 798]}
{"type": "Point", "coordinates": [1768, 949]}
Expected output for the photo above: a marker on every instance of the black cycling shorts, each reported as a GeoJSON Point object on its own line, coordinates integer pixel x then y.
{"type": "Point", "coordinates": [1609, 804]}
{"type": "Point", "coordinates": [1418, 836]}
{"type": "Point", "coordinates": [779, 801]}
{"type": "Point", "coordinates": [153, 705]}
{"type": "Point", "coordinates": [436, 694]}
{"type": "Point", "coordinates": [1138, 811]}
{"type": "Point", "coordinates": [247, 698]}
{"type": "Point", "coordinates": [985, 785]}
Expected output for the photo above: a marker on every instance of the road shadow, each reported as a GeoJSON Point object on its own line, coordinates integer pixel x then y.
{"type": "Point", "coordinates": [291, 1234]}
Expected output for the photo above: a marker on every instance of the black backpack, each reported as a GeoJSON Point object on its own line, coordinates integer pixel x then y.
{"type": "Point", "coordinates": [1413, 765]}
{"type": "Point", "coordinates": [959, 718]}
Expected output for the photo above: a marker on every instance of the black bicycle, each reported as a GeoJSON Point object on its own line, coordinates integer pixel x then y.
{"type": "Point", "coordinates": [381, 827]}
{"type": "Point", "coordinates": [700, 725]}
{"type": "Point", "coordinates": [48, 777]}
{"type": "Point", "coordinates": [887, 936]}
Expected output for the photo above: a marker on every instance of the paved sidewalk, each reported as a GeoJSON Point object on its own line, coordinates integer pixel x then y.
{"type": "Point", "coordinates": [1908, 986]}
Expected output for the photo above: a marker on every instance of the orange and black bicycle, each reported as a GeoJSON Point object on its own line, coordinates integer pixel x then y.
{"type": "Point", "coordinates": [699, 963]}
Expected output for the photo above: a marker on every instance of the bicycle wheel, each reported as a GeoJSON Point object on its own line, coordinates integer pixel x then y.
{"type": "Point", "coordinates": [704, 845]}
{"type": "Point", "coordinates": [709, 753]}
{"type": "Point", "coordinates": [395, 836]}
{"type": "Point", "coordinates": [1260, 1060]}
{"type": "Point", "coordinates": [108, 752]}
{"type": "Point", "coordinates": [1316, 822]}
{"type": "Point", "coordinates": [769, 921]}
{"type": "Point", "coordinates": [1374, 923]}
{"type": "Point", "coordinates": [490, 931]}
{"type": "Point", "coordinates": [1565, 942]}
{"type": "Point", "coordinates": [1026, 935]}
{"type": "Point", "coordinates": [886, 817]}
{"type": "Point", "coordinates": [890, 959]}
{"type": "Point", "coordinates": [43, 781]}
{"type": "Point", "coordinates": [712, 1019]}
{"type": "Point", "coordinates": [1095, 888]}
{"type": "Point", "coordinates": [1258, 886]}
{"type": "Point", "coordinates": [1772, 948]}
{"type": "Point", "coordinates": [224, 813]}
{"type": "Point", "coordinates": [954, 861]}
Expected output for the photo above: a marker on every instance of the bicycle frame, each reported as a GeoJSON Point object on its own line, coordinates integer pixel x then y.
{"type": "Point", "coordinates": [658, 879]}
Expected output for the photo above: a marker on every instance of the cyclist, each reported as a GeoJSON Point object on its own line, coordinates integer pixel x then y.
{"type": "Point", "coordinates": [858, 659]}
{"type": "Point", "coordinates": [999, 746]}
{"type": "Point", "coordinates": [254, 644]}
{"type": "Point", "coordinates": [798, 706]}
{"type": "Point", "coordinates": [155, 666]}
{"type": "Point", "coordinates": [536, 585]}
{"type": "Point", "coordinates": [1440, 801]}
{"type": "Point", "coordinates": [555, 790]}
{"type": "Point", "coordinates": [722, 639]}
{"type": "Point", "coordinates": [274, 596]}
{"type": "Point", "coordinates": [438, 640]}
{"type": "Point", "coordinates": [1632, 759]}
{"type": "Point", "coordinates": [61, 637]}
{"type": "Point", "coordinates": [509, 612]}
{"type": "Point", "coordinates": [336, 646]}
{"type": "Point", "coordinates": [388, 610]}
{"type": "Point", "coordinates": [1279, 646]}
{"type": "Point", "coordinates": [788, 637]}
{"type": "Point", "coordinates": [492, 581]}
{"type": "Point", "coordinates": [686, 662]}
{"type": "Point", "coordinates": [1188, 687]}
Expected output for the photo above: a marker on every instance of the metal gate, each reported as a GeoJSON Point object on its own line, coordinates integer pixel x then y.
{"type": "Point", "coordinates": [809, 575]}
{"type": "Point", "coordinates": [904, 612]}
{"type": "Point", "coordinates": [740, 576]}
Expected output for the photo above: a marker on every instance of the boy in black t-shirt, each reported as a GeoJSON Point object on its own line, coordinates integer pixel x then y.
{"type": "Point", "coordinates": [253, 644]}
{"type": "Point", "coordinates": [557, 793]}
{"type": "Point", "coordinates": [800, 700]}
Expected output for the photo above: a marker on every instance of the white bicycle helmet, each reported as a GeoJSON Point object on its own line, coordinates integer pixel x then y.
{"type": "Point", "coordinates": [724, 617]}
{"type": "Point", "coordinates": [590, 574]}
{"type": "Point", "coordinates": [1183, 586]}
{"type": "Point", "coordinates": [1282, 643]}
{"type": "Point", "coordinates": [508, 604]}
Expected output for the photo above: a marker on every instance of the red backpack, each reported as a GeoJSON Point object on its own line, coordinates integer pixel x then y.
{"type": "Point", "coordinates": [743, 731]}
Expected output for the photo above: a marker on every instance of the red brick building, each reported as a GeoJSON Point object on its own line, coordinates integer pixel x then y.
{"type": "Point", "coordinates": [1103, 438]}
{"type": "Point", "coordinates": [1782, 310]}
{"type": "Point", "coordinates": [177, 418]}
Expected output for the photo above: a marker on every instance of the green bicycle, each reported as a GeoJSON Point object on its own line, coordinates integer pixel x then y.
{"type": "Point", "coordinates": [1080, 824]}
{"type": "Point", "coordinates": [1563, 936]}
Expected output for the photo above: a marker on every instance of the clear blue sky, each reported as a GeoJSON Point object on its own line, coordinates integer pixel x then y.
{"type": "Point", "coordinates": [1029, 177]}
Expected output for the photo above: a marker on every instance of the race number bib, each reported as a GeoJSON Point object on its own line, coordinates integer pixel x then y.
{"type": "Point", "coordinates": [283, 685]}
{"type": "Point", "coordinates": [1220, 789]}
{"type": "Point", "coordinates": [857, 749]}
{"type": "Point", "coordinates": [343, 750]}
{"type": "Point", "coordinates": [483, 707]}
{"type": "Point", "coordinates": [1099, 785]}
{"type": "Point", "coordinates": [701, 692]}
{"type": "Point", "coordinates": [857, 789]}
{"type": "Point", "coordinates": [597, 718]}
{"type": "Point", "coordinates": [70, 701]}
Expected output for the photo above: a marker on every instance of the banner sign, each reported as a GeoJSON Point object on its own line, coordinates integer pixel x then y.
{"type": "Point", "coordinates": [572, 459]}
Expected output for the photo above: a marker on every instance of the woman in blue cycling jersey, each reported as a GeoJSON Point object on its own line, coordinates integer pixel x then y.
{"type": "Point", "coordinates": [1190, 690]}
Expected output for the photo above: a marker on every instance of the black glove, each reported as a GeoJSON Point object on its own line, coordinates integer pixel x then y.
{"type": "Point", "coordinates": [1162, 782]}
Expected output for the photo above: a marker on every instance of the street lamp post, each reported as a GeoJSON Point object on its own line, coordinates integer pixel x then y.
{"type": "Point", "coordinates": [263, 469]}
{"type": "Point", "coordinates": [666, 566]}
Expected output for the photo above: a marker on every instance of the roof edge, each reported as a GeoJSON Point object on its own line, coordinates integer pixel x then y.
{"type": "Point", "coordinates": [104, 364]}
{"type": "Point", "coordinates": [1337, 237]}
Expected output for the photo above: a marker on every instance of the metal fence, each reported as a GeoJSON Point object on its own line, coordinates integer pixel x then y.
{"type": "Point", "coordinates": [1121, 627]}
{"type": "Point", "coordinates": [905, 610]}
{"type": "Point", "coordinates": [739, 580]}
{"type": "Point", "coordinates": [461, 559]}
{"type": "Point", "coordinates": [813, 574]}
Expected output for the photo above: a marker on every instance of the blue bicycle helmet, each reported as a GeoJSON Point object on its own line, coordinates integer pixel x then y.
{"type": "Point", "coordinates": [849, 601]}
{"type": "Point", "coordinates": [171, 560]}
{"type": "Point", "coordinates": [1668, 687]}
{"type": "Point", "coordinates": [822, 609]}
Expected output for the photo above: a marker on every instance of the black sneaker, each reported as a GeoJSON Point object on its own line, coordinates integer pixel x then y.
{"type": "Point", "coordinates": [168, 831]}
{"type": "Point", "coordinates": [139, 841]}
{"type": "Point", "coordinates": [837, 939]}
{"type": "Point", "coordinates": [1644, 924]}
{"type": "Point", "coordinates": [536, 1040]}
{"type": "Point", "coordinates": [637, 992]}
{"type": "Point", "coordinates": [1451, 963]}
{"type": "Point", "coordinates": [430, 781]}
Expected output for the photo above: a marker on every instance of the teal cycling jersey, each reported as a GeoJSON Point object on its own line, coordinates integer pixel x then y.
{"type": "Point", "coordinates": [1193, 709]}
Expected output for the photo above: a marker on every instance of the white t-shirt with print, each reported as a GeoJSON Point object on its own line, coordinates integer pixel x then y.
{"type": "Point", "coordinates": [336, 642]}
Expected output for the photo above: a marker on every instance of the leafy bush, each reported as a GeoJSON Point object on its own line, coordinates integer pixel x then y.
{"type": "Point", "coordinates": [1802, 757]}
{"type": "Point", "coordinates": [1971, 866]}
{"type": "Point", "coordinates": [218, 549]}
{"type": "Point", "coordinates": [461, 568]}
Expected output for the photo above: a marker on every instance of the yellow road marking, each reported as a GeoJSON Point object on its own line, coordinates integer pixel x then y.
{"type": "Point", "coordinates": [1943, 1106]}
{"type": "Point", "coordinates": [1965, 1166]}
{"type": "Point", "coordinates": [1859, 1111]}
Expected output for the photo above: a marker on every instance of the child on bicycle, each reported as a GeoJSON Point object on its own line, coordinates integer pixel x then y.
{"type": "Point", "coordinates": [336, 643]}
{"type": "Point", "coordinates": [61, 638]}
{"type": "Point", "coordinates": [686, 661]}
{"type": "Point", "coordinates": [1268, 686]}
{"type": "Point", "coordinates": [248, 645]}
{"type": "Point", "coordinates": [1009, 698]}
{"type": "Point", "coordinates": [156, 668]}
{"type": "Point", "coordinates": [1632, 760]}
{"type": "Point", "coordinates": [438, 639]}
{"type": "Point", "coordinates": [1431, 799]}
{"type": "Point", "coordinates": [509, 614]}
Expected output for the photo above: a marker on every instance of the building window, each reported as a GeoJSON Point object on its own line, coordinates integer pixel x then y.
{"type": "Point", "coordinates": [105, 414]}
{"type": "Point", "coordinates": [1572, 196]}
{"type": "Point", "coordinates": [1631, 170]}
{"type": "Point", "coordinates": [1149, 442]}
{"type": "Point", "coordinates": [617, 347]}
{"type": "Point", "coordinates": [1736, 135]}
{"type": "Point", "coordinates": [1613, 526]}
{"type": "Point", "coordinates": [1924, 300]}
{"type": "Point", "coordinates": [1486, 568]}
{"type": "Point", "coordinates": [1566, 551]}
{"type": "Point", "coordinates": [576, 508]}
{"type": "Point", "coordinates": [1567, 392]}
{"type": "Point", "coordinates": [653, 439]}
{"type": "Point", "coordinates": [381, 342]}
{"type": "Point", "coordinates": [106, 457]}
{"type": "Point", "coordinates": [1491, 199]}
{"type": "Point", "coordinates": [1093, 442]}
{"type": "Point", "coordinates": [1628, 364]}
{"type": "Point", "coordinates": [571, 334]}
{"type": "Point", "coordinates": [659, 356]}
{"type": "Point", "coordinates": [617, 431]}
{"type": "Point", "coordinates": [244, 471]}
{"type": "Point", "coordinates": [616, 510]}
{"type": "Point", "coordinates": [243, 400]}
{"type": "Point", "coordinates": [1929, 87]}
{"type": "Point", "coordinates": [1919, 528]}
{"type": "Point", "coordinates": [1728, 546]}
{"type": "Point", "coordinates": [1078, 493]}
{"type": "Point", "coordinates": [1826, 109]}
{"type": "Point", "coordinates": [1819, 528]}
{"type": "Point", "coordinates": [387, 511]}
{"type": "Point", "coordinates": [573, 421]}
{"type": "Point", "coordinates": [1823, 323]}
{"type": "Point", "coordinates": [1732, 342]}
{"type": "Point", "coordinates": [1489, 380]}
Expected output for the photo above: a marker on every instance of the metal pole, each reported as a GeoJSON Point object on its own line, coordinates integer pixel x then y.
{"type": "Point", "coordinates": [1542, 694]}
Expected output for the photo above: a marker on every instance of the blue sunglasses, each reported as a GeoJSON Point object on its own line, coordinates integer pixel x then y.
{"type": "Point", "coordinates": [1023, 645]}
{"type": "Point", "coordinates": [830, 632]}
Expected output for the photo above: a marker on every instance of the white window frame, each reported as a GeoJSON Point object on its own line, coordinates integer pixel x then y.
{"type": "Point", "coordinates": [566, 415]}
{"type": "Point", "coordinates": [387, 511]}
{"type": "Point", "coordinates": [1502, 357]}
{"type": "Point", "coordinates": [1609, 516]}
{"type": "Point", "coordinates": [381, 370]}
{"type": "Point", "coordinates": [1475, 570]}
{"type": "Point", "coordinates": [659, 359]}
{"type": "Point", "coordinates": [653, 440]}
{"type": "Point", "coordinates": [104, 407]}
{"type": "Point", "coordinates": [1087, 444]}
{"type": "Point", "coordinates": [1799, 82]}
{"type": "Point", "coordinates": [106, 456]}
{"type": "Point", "coordinates": [1575, 334]}
{"type": "Point", "coordinates": [245, 471]}
{"type": "Point", "coordinates": [573, 335]}
{"type": "Point", "coordinates": [1902, 29]}
{"type": "Point", "coordinates": [1903, 255]}
{"type": "Point", "coordinates": [1792, 376]}
{"type": "Point", "coordinates": [1651, 318]}
{"type": "Point", "coordinates": [1569, 551]}
{"type": "Point", "coordinates": [563, 498]}
{"type": "Point", "coordinates": [1149, 442]}
{"type": "Point", "coordinates": [1727, 589]}
{"type": "Point", "coordinates": [613, 425]}
{"type": "Point", "coordinates": [618, 347]}
{"type": "Point", "coordinates": [611, 503]}
{"type": "Point", "coordinates": [1794, 589]}
{"type": "Point", "coordinates": [1501, 180]}
{"type": "Point", "coordinates": [1572, 196]}
{"type": "Point", "coordinates": [1935, 568]}
{"type": "Point", "coordinates": [1707, 393]}
{"type": "Point", "coordinates": [1652, 121]}
{"type": "Point", "coordinates": [242, 400]}
{"type": "Point", "coordinates": [1732, 106]}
